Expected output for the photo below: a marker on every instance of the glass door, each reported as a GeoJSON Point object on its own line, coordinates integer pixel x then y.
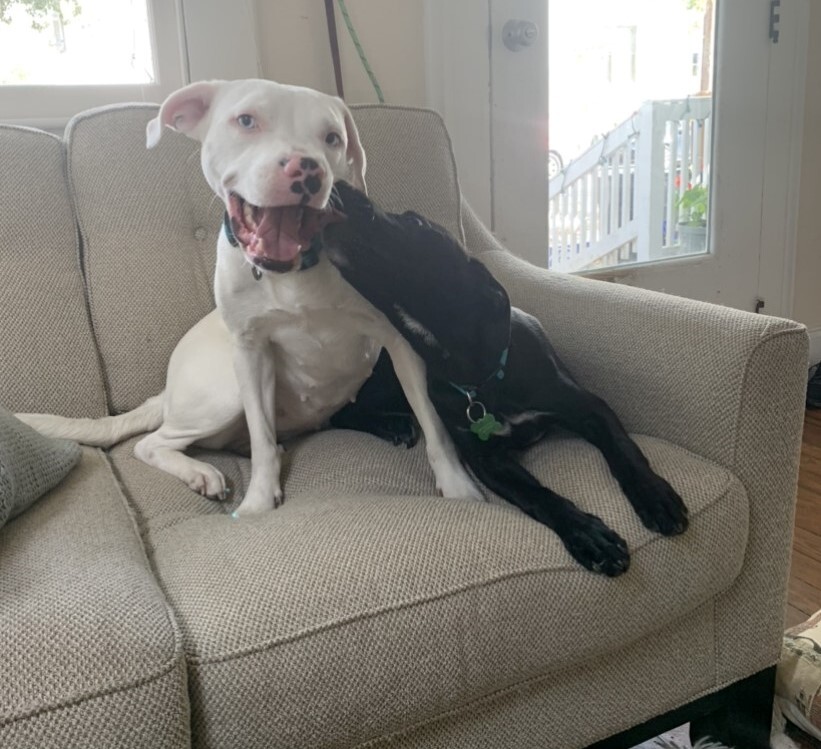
{"type": "Point", "coordinates": [666, 136]}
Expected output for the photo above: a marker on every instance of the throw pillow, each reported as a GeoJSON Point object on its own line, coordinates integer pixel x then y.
{"type": "Point", "coordinates": [30, 464]}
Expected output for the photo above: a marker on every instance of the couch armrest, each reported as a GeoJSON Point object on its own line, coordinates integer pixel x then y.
{"type": "Point", "coordinates": [725, 384]}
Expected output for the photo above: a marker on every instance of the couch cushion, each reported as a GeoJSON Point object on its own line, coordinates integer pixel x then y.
{"type": "Point", "coordinates": [91, 656]}
{"type": "Point", "coordinates": [48, 361]}
{"type": "Point", "coordinates": [149, 224]}
{"type": "Point", "coordinates": [368, 609]}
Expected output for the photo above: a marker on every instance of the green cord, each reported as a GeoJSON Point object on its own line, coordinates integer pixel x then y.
{"type": "Point", "coordinates": [362, 57]}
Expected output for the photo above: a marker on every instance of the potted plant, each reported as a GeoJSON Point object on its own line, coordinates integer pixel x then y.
{"type": "Point", "coordinates": [693, 205]}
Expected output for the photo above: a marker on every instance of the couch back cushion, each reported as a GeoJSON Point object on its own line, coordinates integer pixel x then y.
{"type": "Point", "coordinates": [48, 361]}
{"type": "Point", "coordinates": [149, 225]}
{"type": "Point", "coordinates": [410, 162]}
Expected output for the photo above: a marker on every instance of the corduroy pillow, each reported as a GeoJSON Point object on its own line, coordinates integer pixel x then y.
{"type": "Point", "coordinates": [30, 464]}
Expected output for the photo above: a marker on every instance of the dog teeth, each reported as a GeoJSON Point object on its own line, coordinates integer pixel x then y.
{"type": "Point", "coordinates": [248, 213]}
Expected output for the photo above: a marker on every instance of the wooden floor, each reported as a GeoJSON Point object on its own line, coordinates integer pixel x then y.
{"type": "Point", "coordinates": [805, 576]}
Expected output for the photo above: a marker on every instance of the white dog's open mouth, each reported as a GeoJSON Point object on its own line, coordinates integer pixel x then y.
{"type": "Point", "coordinates": [274, 237]}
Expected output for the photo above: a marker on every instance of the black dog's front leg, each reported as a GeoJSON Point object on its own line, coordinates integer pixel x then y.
{"type": "Point", "coordinates": [380, 408]}
{"type": "Point", "coordinates": [588, 539]}
{"type": "Point", "coordinates": [656, 502]}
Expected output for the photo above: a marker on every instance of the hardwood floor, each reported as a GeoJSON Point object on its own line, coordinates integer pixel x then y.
{"type": "Point", "coordinates": [805, 575]}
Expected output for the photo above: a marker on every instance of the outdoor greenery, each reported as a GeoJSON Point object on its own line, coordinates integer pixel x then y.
{"type": "Point", "coordinates": [693, 205]}
{"type": "Point", "coordinates": [41, 11]}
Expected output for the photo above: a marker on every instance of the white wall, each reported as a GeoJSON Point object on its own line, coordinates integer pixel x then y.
{"type": "Point", "coordinates": [294, 48]}
{"type": "Point", "coordinates": [807, 305]}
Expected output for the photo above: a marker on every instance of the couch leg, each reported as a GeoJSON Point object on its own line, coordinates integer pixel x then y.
{"type": "Point", "coordinates": [744, 721]}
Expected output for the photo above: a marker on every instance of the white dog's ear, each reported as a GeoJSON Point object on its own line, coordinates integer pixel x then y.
{"type": "Point", "coordinates": [355, 153]}
{"type": "Point", "coordinates": [183, 111]}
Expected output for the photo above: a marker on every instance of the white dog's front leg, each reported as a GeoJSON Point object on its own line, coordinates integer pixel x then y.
{"type": "Point", "coordinates": [254, 365]}
{"type": "Point", "coordinates": [451, 477]}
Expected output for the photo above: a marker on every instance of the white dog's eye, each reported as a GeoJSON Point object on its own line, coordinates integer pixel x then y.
{"type": "Point", "coordinates": [333, 139]}
{"type": "Point", "coordinates": [246, 121]}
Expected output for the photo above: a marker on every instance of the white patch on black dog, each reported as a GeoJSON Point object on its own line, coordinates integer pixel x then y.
{"type": "Point", "coordinates": [414, 326]}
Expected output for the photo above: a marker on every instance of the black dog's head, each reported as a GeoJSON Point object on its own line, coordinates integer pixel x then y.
{"type": "Point", "coordinates": [455, 314]}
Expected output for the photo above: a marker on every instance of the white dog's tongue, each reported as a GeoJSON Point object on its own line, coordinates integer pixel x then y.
{"type": "Point", "coordinates": [267, 233]}
{"type": "Point", "coordinates": [276, 233]}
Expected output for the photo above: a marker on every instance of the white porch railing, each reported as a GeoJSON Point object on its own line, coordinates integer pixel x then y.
{"type": "Point", "coordinates": [618, 201]}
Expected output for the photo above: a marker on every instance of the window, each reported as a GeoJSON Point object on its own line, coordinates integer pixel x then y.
{"type": "Point", "coordinates": [76, 43]}
{"type": "Point", "coordinates": [59, 57]}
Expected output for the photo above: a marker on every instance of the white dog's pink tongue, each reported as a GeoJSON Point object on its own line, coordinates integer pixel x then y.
{"type": "Point", "coordinates": [276, 234]}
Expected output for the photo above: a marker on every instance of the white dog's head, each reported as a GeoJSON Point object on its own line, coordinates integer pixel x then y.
{"type": "Point", "coordinates": [271, 152]}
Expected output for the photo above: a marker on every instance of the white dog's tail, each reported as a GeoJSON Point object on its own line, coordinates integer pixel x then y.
{"type": "Point", "coordinates": [104, 432]}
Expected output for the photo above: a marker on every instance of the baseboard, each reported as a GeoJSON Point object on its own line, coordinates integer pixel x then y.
{"type": "Point", "coordinates": [815, 346]}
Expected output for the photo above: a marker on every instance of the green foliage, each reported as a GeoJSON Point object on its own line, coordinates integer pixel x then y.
{"type": "Point", "coordinates": [41, 11]}
{"type": "Point", "coordinates": [693, 204]}
{"type": "Point", "coordinates": [699, 5]}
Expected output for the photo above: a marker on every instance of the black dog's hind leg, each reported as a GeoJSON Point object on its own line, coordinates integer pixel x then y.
{"type": "Point", "coordinates": [587, 538]}
{"type": "Point", "coordinates": [656, 502]}
{"type": "Point", "coordinates": [380, 408]}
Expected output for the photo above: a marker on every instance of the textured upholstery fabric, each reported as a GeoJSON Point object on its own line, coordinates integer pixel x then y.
{"type": "Point", "coordinates": [30, 464]}
{"type": "Point", "coordinates": [555, 711]}
{"type": "Point", "coordinates": [366, 612]}
{"type": "Point", "coordinates": [47, 357]}
{"type": "Point", "coordinates": [727, 385]}
{"type": "Point", "coordinates": [410, 162]}
{"type": "Point", "coordinates": [367, 575]}
{"type": "Point", "coordinates": [88, 647]}
{"type": "Point", "coordinates": [149, 226]}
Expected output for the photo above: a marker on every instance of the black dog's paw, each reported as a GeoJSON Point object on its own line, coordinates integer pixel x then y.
{"type": "Point", "coordinates": [398, 429]}
{"type": "Point", "coordinates": [658, 505]}
{"type": "Point", "coordinates": [594, 545]}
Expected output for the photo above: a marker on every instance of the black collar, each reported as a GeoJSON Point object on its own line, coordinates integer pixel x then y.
{"type": "Point", "coordinates": [308, 258]}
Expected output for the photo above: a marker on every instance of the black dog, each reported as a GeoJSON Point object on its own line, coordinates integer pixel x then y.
{"type": "Point", "coordinates": [493, 376]}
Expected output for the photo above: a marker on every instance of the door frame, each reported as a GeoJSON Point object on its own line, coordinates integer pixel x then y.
{"type": "Point", "coordinates": [461, 76]}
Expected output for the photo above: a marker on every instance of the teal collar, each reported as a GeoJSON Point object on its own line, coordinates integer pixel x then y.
{"type": "Point", "coordinates": [308, 258]}
{"type": "Point", "coordinates": [483, 423]}
{"type": "Point", "coordinates": [470, 391]}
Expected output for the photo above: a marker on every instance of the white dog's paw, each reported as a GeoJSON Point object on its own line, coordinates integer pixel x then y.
{"type": "Point", "coordinates": [257, 503]}
{"type": "Point", "coordinates": [207, 481]}
{"type": "Point", "coordinates": [456, 484]}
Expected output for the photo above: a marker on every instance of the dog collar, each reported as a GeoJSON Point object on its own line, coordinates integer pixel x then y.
{"type": "Point", "coordinates": [482, 423]}
{"type": "Point", "coordinates": [308, 258]}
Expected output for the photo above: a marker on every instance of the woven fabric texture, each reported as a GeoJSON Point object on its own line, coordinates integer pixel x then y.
{"type": "Point", "coordinates": [48, 360]}
{"type": "Point", "coordinates": [556, 711]}
{"type": "Point", "coordinates": [353, 573]}
{"type": "Point", "coordinates": [86, 639]}
{"type": "Point", "coordinates": [149, 226]}
{"type": "Point", "coordinates": [30, 464]}
{"type": "Point", "coordinates": [725, 384]}
{"type": "Point", "coordinates": [410, 162]}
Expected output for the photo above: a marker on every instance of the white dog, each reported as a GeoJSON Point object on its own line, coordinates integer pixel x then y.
{"type": "Point", "coordinates": [286, 348]}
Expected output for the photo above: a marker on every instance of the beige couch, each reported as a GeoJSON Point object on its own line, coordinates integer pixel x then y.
{"type": "Point", "coordinates": [366, 611]}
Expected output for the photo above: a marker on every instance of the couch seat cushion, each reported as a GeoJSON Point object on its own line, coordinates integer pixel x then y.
{"type": "Point", "coordinates": [90, 654]}
{"type": "Point", "coordinates": [356, 609]}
